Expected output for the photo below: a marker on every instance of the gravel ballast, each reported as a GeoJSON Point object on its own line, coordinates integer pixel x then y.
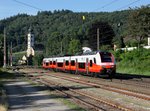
{"type": "Point", "coordinates": [23, 96]}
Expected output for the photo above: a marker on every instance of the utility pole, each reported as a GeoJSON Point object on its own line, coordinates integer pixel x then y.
{"type": "Point", "coordinates": [97, 39]}
{"type": "Point", "coordinates": [149, 40]}
{"type": "Point", "coordinates": [4, 64]}
{"type": "Point", "coordinates": [61, 48]}
{"type": "Point", "coordinates": [11, 54]}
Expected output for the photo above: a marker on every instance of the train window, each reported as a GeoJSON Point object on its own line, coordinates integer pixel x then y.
{"type": "Point", "coordinates": [60, 64]}
{"type": "Point", "coordinates": [106, 57]}
{"type": "Point", "coordinates": [95, 60]}
{"type": "Point", "coordinates": [50, 62]}
{"type": "Point", "coordinates": [91, 63]}
{"type": "Point", "coordinates": [72, 63]}
{"type": "Point", "coordinates": [82, 65]}
{"type": "Point", "coordinates": [46, 63]}
{"type": "Point", "coordinates": [54, 62]}
{"type": "Point", "coordinates": [67, 63]}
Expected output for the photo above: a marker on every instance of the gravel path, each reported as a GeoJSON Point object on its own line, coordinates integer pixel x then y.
{"type": "Point", "coordinates": [24, 97]}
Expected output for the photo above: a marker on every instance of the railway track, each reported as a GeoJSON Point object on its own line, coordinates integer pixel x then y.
{"type": "Point", "coordinates": [138, 78]}
{"type": "Point", "coordinates": [121, 90]}
{"type": "Point", "coordinates": [106, 87]}
{"type": "Point", "coordinates": [139, 81]}
{"type": "Point", "coordinates": [133, 82]}
{"type": "Point", "coordinates": [81, 97]}
{"type": "Point", "coordinates": [38, 74]}
{"type": "Point", "coordinates": [130, 82]}
{"type": "Point", "coordinates": [107, 82]}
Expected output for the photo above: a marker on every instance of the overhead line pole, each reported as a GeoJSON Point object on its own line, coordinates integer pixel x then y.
{"type": "Point", "coordinates": [61, 48]}
{"type": "Point", "coordinates": [11, 54]}
{"type": "Point", "coordinates": [4, 64]}
{"type": "Point", "coordinates": [97, 39]}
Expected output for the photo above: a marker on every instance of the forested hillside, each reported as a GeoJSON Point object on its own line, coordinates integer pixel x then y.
{"type": "Point", "coordinates": [53, 29]}
{"type": "Point", "coordinates": [63, 32]}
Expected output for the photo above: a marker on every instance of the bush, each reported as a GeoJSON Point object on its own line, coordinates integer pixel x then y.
{"type": "Point", "coordinates": [1, 58]}
{"type": "Point", "coordinates": [37, 59]}
{"type": "Point", "coordinates": [18, 56]}
{"type": "Point", "coordinates": [136, 61]}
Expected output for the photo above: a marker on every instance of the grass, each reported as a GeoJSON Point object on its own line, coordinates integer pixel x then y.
{"type": "Point", "coordinates": [134, 67]}
{"type": "Point", "coordinates": [23, 52]}
{"type": "Point", "coordinates": [133, 62]}
{"type": "Point", "coordinates": [133, 71]}
{"type": "Point", "coordinates": [66, 101]}
{"type": "Point", "coordinates": [4, 76]}
{"type": "Point", "coordinates": [72, 105]}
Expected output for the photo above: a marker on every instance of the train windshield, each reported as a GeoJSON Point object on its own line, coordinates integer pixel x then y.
{"type": "Point", "coordinates": [105, 57]}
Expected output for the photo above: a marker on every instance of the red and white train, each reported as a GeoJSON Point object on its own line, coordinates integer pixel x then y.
{"type": "Point", "coordinates": [95, 63]}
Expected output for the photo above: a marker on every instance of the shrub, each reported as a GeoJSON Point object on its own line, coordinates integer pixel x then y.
{"type": "Point", "coordinates": [136, 61]}
{"type": "Point", "coordinates": [37, 59]}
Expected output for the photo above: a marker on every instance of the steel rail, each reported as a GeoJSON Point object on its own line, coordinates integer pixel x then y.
{"type": "Point", "coordinates": [107, 87]}
{"type": "Point", "coordinates": [82, 93]}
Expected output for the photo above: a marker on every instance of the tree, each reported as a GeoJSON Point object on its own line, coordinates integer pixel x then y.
{"type": "Point", "coordinates": [106, 34]}
{"type": "Point", "coordinates": [74, 46]}
{"type": "Point", "coordinates": [139, 23]}
{"type": "Point", "coordinates": [58, 28]}
{"type": "Point", "coordinates": [1, 54]}
{"type": "Point", "coordinates": [65, 44]}
{"type": "Point", "coordinates": [37, 59]}
{"type": "Point", "coordinates": [53, 46]}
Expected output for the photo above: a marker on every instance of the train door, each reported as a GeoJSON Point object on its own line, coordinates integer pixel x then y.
{"type": "Point", "coordinates": [76, 66]}
{"type": "Point", "coordinates": [70, 63]}
{"type": "Point", "coordinates": [56, 66]}
{"type": "Point", "coordinates": [87, 66]}
{"type": "Point", "coordinates": [64, 64]}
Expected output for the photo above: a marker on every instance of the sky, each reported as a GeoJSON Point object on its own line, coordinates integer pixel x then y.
{"type": "Point", "coordinates": [10, 8]}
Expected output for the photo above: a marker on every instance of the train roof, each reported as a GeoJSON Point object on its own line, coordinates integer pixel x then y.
{"type": "Point", "coordinates": [88, 53]}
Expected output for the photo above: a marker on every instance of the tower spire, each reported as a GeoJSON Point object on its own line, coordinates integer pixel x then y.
{"type": "Point", "coordinates": [30, 42]}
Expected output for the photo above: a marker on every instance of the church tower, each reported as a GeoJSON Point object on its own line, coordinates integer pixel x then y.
{"type": "Point", "coordinates": [30, 43]}
{"type": "Point", "coordinates": [30, 39]}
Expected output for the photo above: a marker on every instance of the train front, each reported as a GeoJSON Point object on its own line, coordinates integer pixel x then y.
{"type": "Point", "coordinates": [107, 63]}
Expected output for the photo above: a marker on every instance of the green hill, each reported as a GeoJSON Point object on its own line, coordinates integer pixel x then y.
{"type": "Point", "coordinates": [52, 28]}
{"type": "Point", "coordinates": [63, 32]}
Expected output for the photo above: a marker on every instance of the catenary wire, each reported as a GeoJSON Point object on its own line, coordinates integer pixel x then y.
{"type": "Point", "coordinates": [108, 4]}
{"type": "Point", "coordinates": [28, 5]}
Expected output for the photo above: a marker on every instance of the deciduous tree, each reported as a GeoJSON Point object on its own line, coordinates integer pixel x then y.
{"type": "Point", "coordinates": [139, 23]}
{"type": "Point", "coordinates": [106, 34]}
{"type": "Point", "coordinates": [74, 46]}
